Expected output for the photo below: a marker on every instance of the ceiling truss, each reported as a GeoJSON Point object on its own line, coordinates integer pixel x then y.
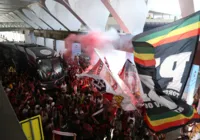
{"type": "Point", "coordinates": [13, 25]}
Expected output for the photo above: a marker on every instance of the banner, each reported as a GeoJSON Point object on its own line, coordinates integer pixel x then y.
{"type": "Point", "coordinates": [104, 82]}
{"type": "Point", "coordinates": [102, 79]}
{"type": "Point", "coordinates": [32, 128]}
{"type": "Point", "coordinates": [130, 77]}
{"type": "Point", "coordinates": [164, 57]}
{"type": "Point", "coordinates": [76, 49]}
{"type": "Point", "coordinates": [99, 83]}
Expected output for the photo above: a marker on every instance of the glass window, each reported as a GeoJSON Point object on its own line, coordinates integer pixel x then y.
{"type": "Point", "coordinates": [49, 69]}
{"type": "Point", "coordinates": [57, 65]}
{"type": "Point", "coordinates": [45, 65]}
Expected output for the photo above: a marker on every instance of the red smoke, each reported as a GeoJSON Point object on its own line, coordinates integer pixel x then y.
{"type": "Point", "coordinates": [88, 42]}
{"type": "Point", "coordinates": [94, 39]}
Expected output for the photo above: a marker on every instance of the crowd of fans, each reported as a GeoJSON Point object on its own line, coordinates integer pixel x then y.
{"type": "Point", "coordinates": [71, 107]}
{"type": "Point", "coordinates": [75, 106]}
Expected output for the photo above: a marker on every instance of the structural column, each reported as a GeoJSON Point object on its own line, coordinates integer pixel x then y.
{"type": "Point", "coordinates": [29, 36]}
{"type": "Point", "coordinates": [54, 45]}
{"type": "Point", "coordinates": [187, 7]}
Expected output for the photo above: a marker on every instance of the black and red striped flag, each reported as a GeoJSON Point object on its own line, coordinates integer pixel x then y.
{"type": "Point", "coordinates": [164, 58]}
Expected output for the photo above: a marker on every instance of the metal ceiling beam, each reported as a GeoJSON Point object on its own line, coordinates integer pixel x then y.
{"type": "Point", "coordinates": [3, 11]}
{"type": "Point", "coordinates": [10, 18]}
{"type": "Point", "coordinates": [66, 4]}
{"type": "Point", "coordinates": [14, 2]}
{"type": "Point", "coordinates": [13, 5]}
{"type": "Point", "coordinates": [29, 18]}
{"type": "Point", "coordinates": [10, 6]}
{"type": "Point", "coordinates": [15, 17]}
{"type": "Point", "coordinates": [13, 29]}
{"type": "Point", "coordinates": [58, 35]}
{"type": "Point", "coordinates": [115, 15]}
{"type": "Point", "coordinates": [3, 8]}
{"type": "Point", "coordinates": [40, 19]}
{"type": "Point", "coordinates": [46, 9]}
{"type": "Point", "coordinates": [13, 25]}
{"type": "Point", "coordinates": [25, 19]}
{"type": "Point", "coordinates": [6, 19]}
{"type": "Point", "coordinates": [6, 10]}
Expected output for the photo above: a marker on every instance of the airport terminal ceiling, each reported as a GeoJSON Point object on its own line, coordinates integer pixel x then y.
{"type": "Point", "coordinates": [57, 18]}
{"type": "Point", "coordinates": [76, 15]}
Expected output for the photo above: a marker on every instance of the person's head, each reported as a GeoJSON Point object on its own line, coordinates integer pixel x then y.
{"type": "Point", "coordinates": [37, 107]}
{"type": "Point", "coordinates": [131, 114]}
{"type": "Point", "coordinates": [81, 112]}
{"type": "Point", "coordinates": [52, 104]}
{"type": "Point", "coordinates": [77, 121]}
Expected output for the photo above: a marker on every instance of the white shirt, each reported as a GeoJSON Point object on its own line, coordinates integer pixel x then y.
{"type": "Point", "coordinates": [25, 110]}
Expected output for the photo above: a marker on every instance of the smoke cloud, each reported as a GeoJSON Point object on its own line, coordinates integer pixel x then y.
{"type": "Point", "coordinates": [94, 39]}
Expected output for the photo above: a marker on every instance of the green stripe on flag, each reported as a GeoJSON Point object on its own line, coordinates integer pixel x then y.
{"type": "Point", "coordinates": [169, 115]}
{"type": "Point", "coordinates": [165, 31]}
{"type": "Point", "coordinates": [145, 50]}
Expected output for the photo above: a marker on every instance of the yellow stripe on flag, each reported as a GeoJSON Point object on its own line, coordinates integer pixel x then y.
{"type": "Point", "coordinates": [176, 32]}
{"type": "Point", "coordinates": [144, 56]}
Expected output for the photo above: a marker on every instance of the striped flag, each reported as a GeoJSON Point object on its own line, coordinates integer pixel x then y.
{"type": "Point", "coordinates": [172, 33]}
{"type": "Point", "coordinates": [169, 120]}
{"type": "Point", "coordinates": [164, 58]}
